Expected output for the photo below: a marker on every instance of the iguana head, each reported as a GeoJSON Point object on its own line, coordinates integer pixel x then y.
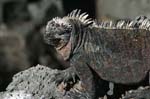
{"type": "Point", "coordinates": [60, 31]}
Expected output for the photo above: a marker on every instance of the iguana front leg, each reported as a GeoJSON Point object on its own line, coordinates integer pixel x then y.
{"type": "Point", "coordinates": [86, 76]}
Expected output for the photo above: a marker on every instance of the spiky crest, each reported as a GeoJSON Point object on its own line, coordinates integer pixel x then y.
{"type": "Point", "coordinates": [140, 22]}
{"type": "Point", "coordinates": [83, 17]}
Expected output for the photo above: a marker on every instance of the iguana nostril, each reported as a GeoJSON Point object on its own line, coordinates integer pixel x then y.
{"type": "Point", "coordinates": [57, 25]}
{"type": "Point", "coordinates": [56, 40]}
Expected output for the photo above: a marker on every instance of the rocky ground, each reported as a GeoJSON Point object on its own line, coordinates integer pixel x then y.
{"type": "Point", "coordinates": [39, 82]}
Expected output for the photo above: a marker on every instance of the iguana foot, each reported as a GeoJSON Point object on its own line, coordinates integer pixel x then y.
{"type": "Point", "coordinates": [68, 80]}
{"type": "Point", "coordinates": [65, 80]}
{"type": "Point", "coordinates": [68, 83]}
{"type": "Point", "coordinates": [66, 76]}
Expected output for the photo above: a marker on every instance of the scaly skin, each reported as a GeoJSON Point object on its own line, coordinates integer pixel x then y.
{"type": "Point", "coordinates": [117, 51]}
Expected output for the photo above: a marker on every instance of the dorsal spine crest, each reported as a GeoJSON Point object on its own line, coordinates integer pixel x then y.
{"type": "Point", "coordinates": [140, 22]}
{"type": "Point", "coordinates": [82, 17]}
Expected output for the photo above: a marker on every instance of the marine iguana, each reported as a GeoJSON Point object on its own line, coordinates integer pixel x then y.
{"type": "Point", "coordinates": [118, 52]}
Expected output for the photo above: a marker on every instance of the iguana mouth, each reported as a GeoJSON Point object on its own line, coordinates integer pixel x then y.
{"type": "Point", "coordinates": [64, 50]}
{"type": "Point", "coordinates": [55, 42]}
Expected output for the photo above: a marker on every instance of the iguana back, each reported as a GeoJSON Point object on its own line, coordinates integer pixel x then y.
{"type": "Point", "coordinates": [118, 55]}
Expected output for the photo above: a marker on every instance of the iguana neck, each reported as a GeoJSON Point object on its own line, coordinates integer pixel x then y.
{"type": "Point", "coordinates": [77, 35]}
{"type": "Point", "coordinates": [74, 42]}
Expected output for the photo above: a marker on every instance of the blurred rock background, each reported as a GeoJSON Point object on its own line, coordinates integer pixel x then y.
{"type": "Point", "coordinates": [115, 9]}
{"type": "Point", "coordinates": [23, 21]}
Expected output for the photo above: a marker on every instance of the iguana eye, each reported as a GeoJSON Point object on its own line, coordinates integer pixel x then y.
{"type": "Point", "coordinates": [61, 33]}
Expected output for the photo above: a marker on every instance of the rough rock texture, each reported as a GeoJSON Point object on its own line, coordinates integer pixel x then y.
{"type": "Point", "coordinates": [36, 80]}
{"type": "Point", "coordinates": [140, 93]}
{"type": "Point", "coordinates": [39, 83]}
{"type": "Point", "coordinates": [15, 95]}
